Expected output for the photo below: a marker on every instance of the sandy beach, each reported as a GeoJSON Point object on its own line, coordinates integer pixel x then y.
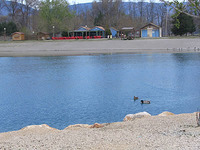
{"type": "Point", "coordinates": [172, 132]}
{"type": "Point", "coordinates": [101, 46]}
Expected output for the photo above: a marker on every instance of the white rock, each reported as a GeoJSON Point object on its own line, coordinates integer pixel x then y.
{"type": "Point", "coordinates": [166, 113]}
{"type": "Point", "coordinates": [131, 117]}
{"type": "Point", "coordinates": [78, 126]}
{"type": "Point", "coordinates": [97, 125]}
{"type": "Point", "coordinates": [35, 127]}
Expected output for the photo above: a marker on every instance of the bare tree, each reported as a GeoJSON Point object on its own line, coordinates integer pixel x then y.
{"type": "Point", "coordinates": [150, 11]}
{"type": "Point", "coordinates": [27, 8]}
{"type": "Point", "coordinates": [21, 11]}
{"type": "Point", "coordinates": [12, 7]}
{"type": "Point", "coordinates": [162, 18]}
{"type": "Point", "coordinates": [134, 10]}
{"type": "Point", "coordinates": [107, 12]}
{"type": "Point", "coordinates": [141, 8]}
{"type": "Point", "coordinates": [1, 7]}
{"type": "Point", "coordinates": [142, 12]}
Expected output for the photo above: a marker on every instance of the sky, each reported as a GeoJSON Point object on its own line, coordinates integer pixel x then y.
{"type": "Point", "coordinates": [83, 1]}
{"type": "Point", "coordinates": [89, 1]}
{"type": "Point", "coordinates": [79, 1]}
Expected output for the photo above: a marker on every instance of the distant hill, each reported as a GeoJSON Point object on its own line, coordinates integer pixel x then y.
{"type": "Point", "coordinates": [83, 6]}
{"type": "Point", "coordinates": [88, 6]}
{"type": "Point", "coordinates": [3, 11]}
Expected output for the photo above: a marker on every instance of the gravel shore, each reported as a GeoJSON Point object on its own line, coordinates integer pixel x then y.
{"type": "Point", "coordinates": [100, 46]}
{"type": "Point", "coordinates": [172, 132]}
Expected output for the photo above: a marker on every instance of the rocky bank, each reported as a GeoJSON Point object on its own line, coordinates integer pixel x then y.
{"type": "Point", "coordinates": [139, 131]}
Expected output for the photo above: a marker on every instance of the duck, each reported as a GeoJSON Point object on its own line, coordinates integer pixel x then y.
{"type": "Point", "coordinates": [135, 98]}
{"type": "Point", "coordinates": [145, 102]}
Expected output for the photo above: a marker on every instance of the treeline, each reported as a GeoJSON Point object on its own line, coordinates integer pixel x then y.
{"type": "Point", "coordinates": [118, 14]}
{"type": "Point", "coordinates": [23, 13]}
{"type": "Point", "coordinates": [59, 16]}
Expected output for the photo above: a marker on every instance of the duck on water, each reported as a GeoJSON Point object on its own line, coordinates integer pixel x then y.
{"type": "Point", "coordinates": [145, 102]}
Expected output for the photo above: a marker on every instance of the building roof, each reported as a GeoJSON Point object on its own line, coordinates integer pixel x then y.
{"type": "Point", "coordinates": [150, 24]}
{"type": "Point", "coordinates": [83, 28]}
{"type": "Point", "coordinates": [127, 28]}
{"type": "Point", "coordinates": [114, 28]}
{"type": "Point", "coordinates": [18, 33]}
{"type": "Point", "coordinates": [43, 33]}
{"type": "Point", "coordinates": [87, 28]}
{"type": "Point", "coordinates": [99, 27]}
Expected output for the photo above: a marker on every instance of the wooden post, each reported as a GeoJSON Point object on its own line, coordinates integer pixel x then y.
{"type": "Point", "coordinates": [4, 34]}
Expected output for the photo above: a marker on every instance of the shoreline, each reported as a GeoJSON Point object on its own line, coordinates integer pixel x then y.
{"type": "Point", "coordinates": [98, 47]}
{"type": "Point", "coordinates": [147, 132]}
{"type": "Point", "coordinates": [163, 114]}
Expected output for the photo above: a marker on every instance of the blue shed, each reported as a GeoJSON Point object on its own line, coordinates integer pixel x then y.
{"type": "Point", "coordinates": [151, 30]}
{"type": "Point", "coordinates": [82, 28]}
{"type": "Point", "coordinates": [82, 31]}
{"type": "Point", "coordinates": [114, 32]}
{"type": "Point", "coordinates": [98, 31]}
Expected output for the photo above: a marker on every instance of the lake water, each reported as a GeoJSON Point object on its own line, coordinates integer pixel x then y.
{"type": "Point", "coordinates": [61, 91]}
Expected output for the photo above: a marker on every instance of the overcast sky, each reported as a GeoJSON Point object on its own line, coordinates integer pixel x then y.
{"type": "Point", "coordinates": [79, 1]}
{"type": "Point", "coordinates": [89, 1]}
{"type": "Point", "coordinates": [84, 1]}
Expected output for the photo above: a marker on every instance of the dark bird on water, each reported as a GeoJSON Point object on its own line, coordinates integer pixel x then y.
{"type": "Point", "coordinates": [145, 102]}
{"type": "Point", "coordinates": [135, 98]}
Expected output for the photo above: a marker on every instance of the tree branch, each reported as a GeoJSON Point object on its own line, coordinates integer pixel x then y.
{"type": "Point", "coordinates": [192, 2]}
{"type": "Point", "coordinates": [169, 4]}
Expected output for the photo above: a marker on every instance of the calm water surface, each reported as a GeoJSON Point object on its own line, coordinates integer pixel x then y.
{"type": "Point", "coordinates": [60, 91]}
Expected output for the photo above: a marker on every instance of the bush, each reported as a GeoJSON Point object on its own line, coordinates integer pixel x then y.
{"type": "Point", "coordinates": [10, 28]}
{"type": "Point", "coordinates": [64, 34]}
{"type": "Point", "coordinates": [183, 24]}
{"type": "Point", "coordinates": [108, 32]}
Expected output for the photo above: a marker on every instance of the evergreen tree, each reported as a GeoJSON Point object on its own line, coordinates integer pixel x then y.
{"type": "Point", "coordinates": [10, 28]}
{"type": "Point", "coordinates": [183, 24]}
{"type": "Point", "coordinates": [64, 34]}
{"type": "Point", "coordinates": [107, 30]}
{"type": "Point", "coordinates": [99, 19]}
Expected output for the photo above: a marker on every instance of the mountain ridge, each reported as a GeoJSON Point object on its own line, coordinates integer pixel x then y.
{"type": "Point", "coordinates": [86, 6]}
